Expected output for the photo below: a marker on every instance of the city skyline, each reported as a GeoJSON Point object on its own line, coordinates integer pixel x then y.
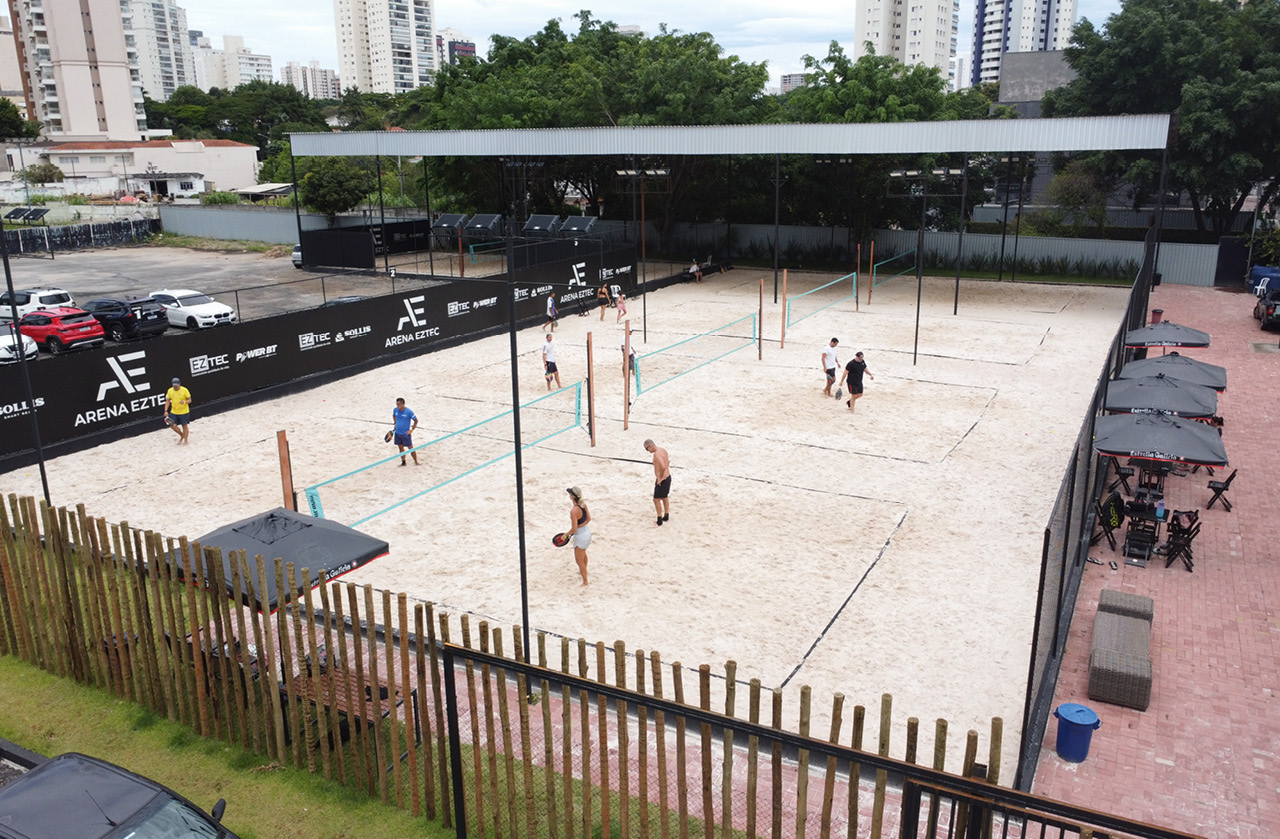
{"type": "Point", "coordinates": [752, 30]}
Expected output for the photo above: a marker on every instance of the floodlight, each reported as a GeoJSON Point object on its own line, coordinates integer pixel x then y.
{"type": "Point", "coordinates": [578, 224]}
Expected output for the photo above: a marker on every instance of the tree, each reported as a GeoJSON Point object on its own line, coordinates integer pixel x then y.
{"type": "Point", "coordinates": [43, 173]}
{"type": "Point", "coordinates": [12, 125]}
{"type": "Point", "coordinates": [334, 185]}
{"type": "Point", "coordinates": [1215, 67]}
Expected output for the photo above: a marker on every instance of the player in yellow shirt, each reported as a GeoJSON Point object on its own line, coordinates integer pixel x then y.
{"type": "Point", "coordinates": [177, 411]}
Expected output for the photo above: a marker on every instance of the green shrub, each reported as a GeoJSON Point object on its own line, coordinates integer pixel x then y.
{"type": "Point", "coordinates": [77, 200]}
{"type": "Point", "coordinates": [208, 198]}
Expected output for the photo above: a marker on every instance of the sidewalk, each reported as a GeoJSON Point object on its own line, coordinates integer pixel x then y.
{"type": "Point", "coordinates": [1203, 757]}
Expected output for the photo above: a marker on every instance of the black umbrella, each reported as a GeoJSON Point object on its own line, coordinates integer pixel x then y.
{"type": "Point", "coordinates": [1158, 437]}
{"type": "Point", "coordinates": [1166, 334]}
{"type": "Point", "coordinates": [1161, 394]}
{"type": "Point", "coordinates": [326, 548]}
{"type": "Point", "coordinates": [1185, 370]}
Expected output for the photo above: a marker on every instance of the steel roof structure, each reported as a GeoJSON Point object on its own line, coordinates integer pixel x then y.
{"type": "Point", "coordinates": [1122, 133]}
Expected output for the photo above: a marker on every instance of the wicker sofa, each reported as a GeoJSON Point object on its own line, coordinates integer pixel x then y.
{"type": "Point", "coordinates": [1120, 653]}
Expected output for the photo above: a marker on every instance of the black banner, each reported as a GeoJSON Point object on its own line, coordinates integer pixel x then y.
{"type": "Point", "coordinates": [82, 393]}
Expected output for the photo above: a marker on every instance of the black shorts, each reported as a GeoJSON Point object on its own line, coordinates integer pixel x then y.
{"type": "Point", "coordinates": [855, 387]}
{"type": "Point", "coordinates": [551, 367]}
{"type": "Point", "coordinates": [662, 490]}
{"type": "Point", "coordinates": [181, 419]}
{"type": "Point", "coordinates": [831, 375]}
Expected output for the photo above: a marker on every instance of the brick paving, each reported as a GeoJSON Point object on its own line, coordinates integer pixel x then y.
{"type": "Point", "coordinates": [1203, 758]}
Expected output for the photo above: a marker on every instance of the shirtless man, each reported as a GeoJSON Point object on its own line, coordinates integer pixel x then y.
{"type": "Point", "coordinates": [661, 480]}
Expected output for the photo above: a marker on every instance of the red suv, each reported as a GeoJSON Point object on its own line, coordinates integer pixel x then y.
{"type": "Point", "coordinates": [62, 328]}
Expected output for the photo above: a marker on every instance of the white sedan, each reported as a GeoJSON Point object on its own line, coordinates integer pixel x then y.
{"type": "Point", "coordinates": [9, 343]}
{"type": "Point", "coordinates": [192, 309]}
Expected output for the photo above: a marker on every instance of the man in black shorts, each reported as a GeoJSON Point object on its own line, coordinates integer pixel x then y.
{"type": "Point", "coordinates": [853, 372]}
{"type": "Point", "coordinates": [661, 480]}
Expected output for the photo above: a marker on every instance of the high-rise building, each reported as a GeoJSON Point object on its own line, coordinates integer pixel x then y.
{"type": "Point", "coordinates": [10, 71]}
{"type": "Point", "coordinates": [790, 81]}
{"type": "Point", "coordinates": [452, 45]}
{"type": "Point", "coordinates": [81, 79]}
{"type": "Point", "coordinates": [959, 76]}
{"type": "Point", "coordinates": [312, 79]}
{"type": "Point", "coordinates": [912, 31]}
{"type": "Point", "coordinates": [158, 31]}
{"type": "Point", "coordinates": [1002, 26]}
{"type": "Point", "coordinates": [386, 46]}
{"type": "Point", "coordinates": [233, 65]}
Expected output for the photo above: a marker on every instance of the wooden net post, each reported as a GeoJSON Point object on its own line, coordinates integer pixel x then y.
{"type": "Point", "coordinates": [286, 470]}
{"type": "Point", "coordinates": [871, 281]}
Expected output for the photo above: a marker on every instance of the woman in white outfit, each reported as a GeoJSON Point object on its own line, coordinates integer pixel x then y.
{"type": "Point", "coordinates": [580, 532]}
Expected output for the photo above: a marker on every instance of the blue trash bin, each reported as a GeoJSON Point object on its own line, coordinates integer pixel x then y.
{"type": "Point", "coordinates": [1076, 724]}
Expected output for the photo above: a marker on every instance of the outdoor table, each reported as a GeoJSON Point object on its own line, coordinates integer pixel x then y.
{"type": "Point", "coordinates": [383, 701]}
{"type": "Point", "coordinates": [1143, 534]}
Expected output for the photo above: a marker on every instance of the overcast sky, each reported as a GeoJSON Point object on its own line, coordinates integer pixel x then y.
{"type": "Point", "coordinates": [754, 30]}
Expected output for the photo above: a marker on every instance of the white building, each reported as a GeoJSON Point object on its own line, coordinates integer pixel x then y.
{"type": "Point", "coordinates": [959, 76]}
{"type": "Point", "coordinates": [233, 65]}
{"type": "Point", "coordinates": [452, 45]}
{"type": "Point", "coordinates": [81, 81]}
{"type": "Point", "coordinates": [157, 167]}
{"type": "Point", "coordinates": [158, 32]}
{"type": "Point", "coordinates": [312, 79]}
{"type": "Point", "coordinates": [912, 31]}
{"type": "Point", "coordinates": [11, 86]}
{"type": "Point", "coordinates": [386, 46]}
{"type": "Point", "coordinates": [790, 81]}
{"type": "Point", "coordinates": [1002, 26]}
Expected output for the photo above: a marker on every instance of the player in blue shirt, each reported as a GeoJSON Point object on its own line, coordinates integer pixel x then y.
{"type": "Point", "coordinates": [405, 422]}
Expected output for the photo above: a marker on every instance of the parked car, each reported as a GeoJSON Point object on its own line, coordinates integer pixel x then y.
{"type": "Point", "coordinates": [296, 256]}
{"type": "Point", "coordinates": [1267, 309]}
{"type": "Point", "coordinates": [10, 340]}
{"type": "Point", "coordinates": [33, 299]}
{"type": "Point", "coordinates": [63, 328]}
{"type": "Point", "coordinates": [125, 318]}
{"type": "Point", "coordinates": [338, 301]}
{"type": "Point", "coordinates": [193, 310]}
{"type": "Point", "coordinates": [74, 795]}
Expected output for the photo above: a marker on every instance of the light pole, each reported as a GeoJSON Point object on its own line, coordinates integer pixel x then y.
{"type": "Point", "coordinates": [639, 182]}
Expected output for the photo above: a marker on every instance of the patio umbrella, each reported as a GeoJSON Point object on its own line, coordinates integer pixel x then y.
{"type": "Point", "coordinates": [1185, 370]}
{"type": "Point", "coordinates": [1158, 437]}
{"type": "Point", "coordinates": [326, 548]}
{"type": "Point", "coordinates": [1161, 394]}
{"type": "Point", "coordinates": [1166, 334]}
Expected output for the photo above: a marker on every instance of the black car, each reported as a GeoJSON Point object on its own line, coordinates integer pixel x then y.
{"type": "Point", "coordinates": [78, 796]}
{"type": "Point", "coordinates": [127, 318]}
{"type": "Point", "coordinates": [1267, 309]}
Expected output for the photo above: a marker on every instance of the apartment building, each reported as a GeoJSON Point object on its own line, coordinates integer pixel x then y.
{"type": "Point", "coordinates": [158, 32]}
{"type": "Point", "coordinates": [233, 65]}
{"type": "Point", "coordinates": [81, 78]}
{"type": "Point", "coordinates": [313, 80]}
{"type": "Point", "coordinates": [790, 81]}
{"type": "Point", "coordinates": [1004, 26]}
{"type": "Point", "coordinates": [912, 31]}
{"type": "Point", "coordinates": [386, 46]}
{"type": "Point", "coordinates": [452, 45]}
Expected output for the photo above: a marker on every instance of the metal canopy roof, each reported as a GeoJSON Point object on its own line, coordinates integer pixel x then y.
{"type": "Point", "coordinates": [1148, 131]}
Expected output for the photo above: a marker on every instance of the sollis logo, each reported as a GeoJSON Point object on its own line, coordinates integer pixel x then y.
{"type": "Point", "coordinates": [20, 409]}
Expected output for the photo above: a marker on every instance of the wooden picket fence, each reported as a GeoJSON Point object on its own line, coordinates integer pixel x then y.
{"type": "Point", "coordinates": [593, 742]}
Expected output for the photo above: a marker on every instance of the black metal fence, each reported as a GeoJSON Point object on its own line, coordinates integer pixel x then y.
{"type": "Point", "coordinates": [1066, 537]}
{"type": "Point", "coordinates": [41, 241]}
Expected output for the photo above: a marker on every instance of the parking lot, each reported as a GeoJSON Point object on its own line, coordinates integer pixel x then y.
{"type": "Point", "coordinates": [255, 285]}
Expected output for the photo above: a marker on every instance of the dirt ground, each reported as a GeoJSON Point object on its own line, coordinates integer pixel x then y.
{"type": "Point", "coordinates": [892, 550]}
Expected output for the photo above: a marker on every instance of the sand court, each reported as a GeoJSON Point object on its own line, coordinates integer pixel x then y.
{"type": "Point", "coordinates": [894, 550]}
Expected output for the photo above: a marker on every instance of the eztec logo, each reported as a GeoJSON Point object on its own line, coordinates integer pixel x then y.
{"type": "Point", "coordinates": [579, 274]}
{"type": "Point", "coordinates": [204, 364]}
{"type": "Point", "coordinates": [314, 340]}
{"type": "Point", "coordinates": [459, 307]}
{"type": "Point", "coordinates": [413, 325]}
{"type": "Point", "coordinates": [416, 313]}
{"type": "Point", "coordinates": [127, 378]}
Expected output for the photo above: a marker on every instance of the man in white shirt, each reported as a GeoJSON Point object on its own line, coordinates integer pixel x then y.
{"type": "Point", "coordinates": [830, 365]}
{"type": "Point", "coordinates": [549, 362]}
{"type": "Point", "coordinates": [551, 313]}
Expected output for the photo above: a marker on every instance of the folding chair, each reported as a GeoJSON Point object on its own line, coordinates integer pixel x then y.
{"type": "Point", "coordinates": [1179, 546]}
{"type": "Point", "coordinates": [1110, 517]}
{"type": "Point", "coordinates": [1123, 474]}
{"type": "Point", "coordinates": [1220, 491]}
{"type": "Point", "coordinates": [1139, 542]}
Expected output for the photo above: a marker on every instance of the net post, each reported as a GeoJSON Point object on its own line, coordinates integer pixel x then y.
{"type": "Point", "coordinates": [591, 391]}
{"type": "Point", "coordinates": [462, 269]}
{"type": "Point", "coordinates": [760, 328]}
{"type": "Point", "coordinates": [857, 268]}
{"type": "Point", "coordinates": [286, 471]}
{"type": "Point", "coordinates": [872, 284]}
{"type": "Point", "coordinates": [782, 343]}
{"type": "Point", "coordinates": [626, 375]}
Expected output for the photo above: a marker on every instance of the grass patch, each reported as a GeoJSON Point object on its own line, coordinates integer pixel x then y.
{"type": "Point", "coordinates": [199, 243]}
{"type": "Point", "coordinates": [51, 715]}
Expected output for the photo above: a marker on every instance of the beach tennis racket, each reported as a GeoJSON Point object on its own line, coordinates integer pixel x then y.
{"type": "Point", "coordinates": [386, 438]}
{"type": "Point", "coordinates": [168, 420]}
{"type": "Point", "coordinates": [560, 540]}
{"type": "Point", "coordinates": [839, 392]}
